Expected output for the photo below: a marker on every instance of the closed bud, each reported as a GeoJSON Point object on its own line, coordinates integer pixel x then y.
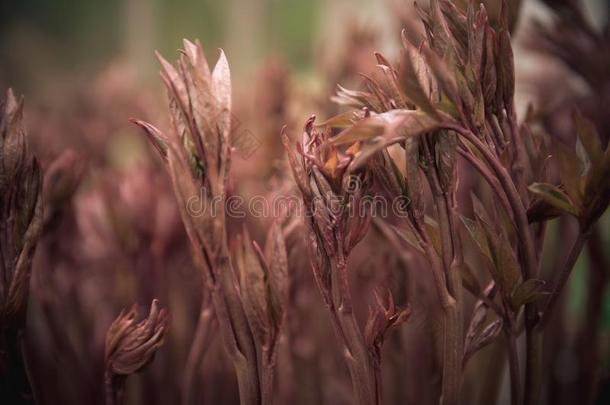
{"type": "Point", "coordinates": [131, 345]}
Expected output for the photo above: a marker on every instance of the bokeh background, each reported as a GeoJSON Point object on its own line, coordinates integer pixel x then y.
{"type": "Point", "coordinates": [86, 67]}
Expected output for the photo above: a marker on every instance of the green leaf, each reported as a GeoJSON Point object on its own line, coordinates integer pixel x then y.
{"type": "Point", "coordinates": [505, 261]}
{"type": "Point", "coordinates": [413, 178]}
{"type": "Point", "coordinates": [445, 149]}
{"type": "Point", "coordinates": [527, 292]}
{"type": "Point", "coordinates": [554, 196]}
{"type": "Point", "coordinates": [254, 288]}
{"type": "Point", "coordinates": [276, 257]}
{"type": "Point", "coordinates": [410, 122]}
{"type": "Point", "coordinates": [569, 172]}
{"type": "Point", "coordinates": [505, 269]}
{"type": "Point", "coordinates": [478, 236]}
{"type": "Point", "coordinates": [470, 280]}
{"type": "Point", "coordinates": [480, 211]}
{"type": "Point", "coordinates": [587, 134]}
{"type": "Point", "coordinates": [414, 80]}
{"type": "Point", "coordinates": [343, 120]}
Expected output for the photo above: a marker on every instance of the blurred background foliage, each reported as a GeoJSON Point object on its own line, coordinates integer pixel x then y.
{"type": "Point", "coordinates": [64, 37]}
{"type": "Point", "coordinates": [49, 46]}
{"type": "Point", "coordinates": [52, 49]}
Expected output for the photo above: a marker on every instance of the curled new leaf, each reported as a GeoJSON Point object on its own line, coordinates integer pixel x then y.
{"type": "Point", "coordinates": [529, 291]}
{"type": "Point", "coordinates": [482, 339]}
{"type": "Point", "coordinates": [383, 317]}
{"type": "Point", "coordinates": [131, 345]}
{"type": "Point", "coordinates": [276, 256]}
{"type": "Point", "coordinates": [382, 130]}
{"type": "Point", "coordinates": [555, 197]}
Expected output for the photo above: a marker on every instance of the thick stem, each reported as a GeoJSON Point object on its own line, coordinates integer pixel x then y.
{"type": "Point", "coordinates": [267, 381]}
{"type": "Point", "coordinates": [114, 385]}
{"type": "Point", "coordinates": [453, 342]}
{"type": "Point", "coordinates": [452, 359]}
{"type": "Point", "coordinates": [589, 337]}
{"type": "Point", "coordinates": [358, 356]}
{"type": "Point", "coordinates": [564, 276]}
{"type": "Point", "coordinates": [518, 167]}
{"type": "Point", "coordinates": [452, 356]}
{"type": "Point", "coordinates": [492, 384]}
{"type": "Point", "coordinates": [492, 181]}
{"type": "Point", "coordinates": [513, 365]}
{"type": "Point", "coordinates": [533, 359]}
{"type": "Point", "coordinates": [268, 367]}
{"type": "Point", "coordinates": [199, 346]}
{"type": "Point", "coordinates": [245, 357]}
{"type": "Point", "coordinates": [247, 382]}
{"type": "Point", "coordinates": [534, 325]}
{"type": "Point", "coordinates": [453, 351]}
{"type": "Point", "coordinates": [525, 234]}
{"type": "Point", "coordinates": [533, 365]}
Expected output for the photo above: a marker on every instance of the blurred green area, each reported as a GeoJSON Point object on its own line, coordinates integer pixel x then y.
{"type": "Point", "coordinates": [42, 40]}
{"type": "Point", "coordinates": [47, 43]}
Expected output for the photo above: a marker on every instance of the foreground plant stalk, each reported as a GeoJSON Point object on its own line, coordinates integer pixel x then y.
{"type": "Point", "coordinates": [20, 228]}
{"type": "Point", "coordinates": [199, 346]}
{"type": "Point", "coordinates": [336, 222]}
{"type": "Point", "coordinates": [130, 346]}
{"type": "Point", "coordinates": [247, 288]}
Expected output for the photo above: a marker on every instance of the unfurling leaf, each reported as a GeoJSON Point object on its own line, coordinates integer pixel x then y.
{"type": "Point", "coordinates": [277, 264]}
{"type": "Point", "coordinates": [478, 235]}
{"type": "Point", "coordinates": [589, 138]}
{"type": "Point", "coordinates": [554, 196]}
{"type": "Point", "coordinates": [529, 291]}
{"type": "Point", "coordinates": [411, 122]}
{"type": "Point", "coordinates": [505, 269]}
{"type": "Point", "coordinates": [570, 172]}
{"type": "Point", "coordinates": [254, 289]}
{"type": "Point", "coordinates": [383, 317]}
{"type": "Point", "coordinates": [484, 338]}
{"type": "Point", "coordinates": [414, 79]}
{"type": "Point", "coordinates": [130, 345]}
{"type": "Point", "coordinates": [445, 148]}
{"type": "Point", "coordinates": [155, 136]}
{"type": "Point", "coordinates": [382, 130]}
{"type": "Point", "coordinates": [343, 120]}
{"type": "Point", "coordinates": [470, 281]}
{"type": "Point", "coordinates": [433, 232]}
{"type": "Point", "coordinates": [413, 178]}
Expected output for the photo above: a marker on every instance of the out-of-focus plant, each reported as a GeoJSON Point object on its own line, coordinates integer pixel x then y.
{"type": "Point", "coordinates": [263, 281]}
{"type": "Point", "coordinates": [583, 52]}
{"type": "Point", "coordinates": [20, 227]}
{"type": "Point", "coordinates": [130, 346]}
